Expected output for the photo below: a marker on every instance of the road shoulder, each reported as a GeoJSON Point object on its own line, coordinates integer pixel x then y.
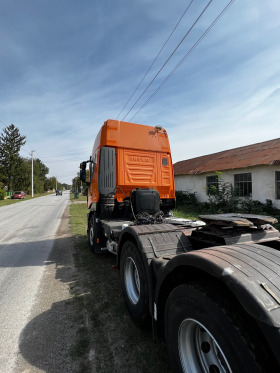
{"type": "Point", "coordinates": [48, 341]}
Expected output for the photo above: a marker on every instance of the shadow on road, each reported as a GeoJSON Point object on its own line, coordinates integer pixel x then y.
{"type": "Point", "coordinates": [48, 341]}
{"type": "Point", "coordinates": [80, 323]}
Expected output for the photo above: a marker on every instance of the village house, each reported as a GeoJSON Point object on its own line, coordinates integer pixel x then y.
{"type": "Point", "coordinates": [253, 169]}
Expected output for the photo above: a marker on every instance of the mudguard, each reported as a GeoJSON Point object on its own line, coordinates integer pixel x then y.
{"type": "Point", "coordinates": [250, 271]}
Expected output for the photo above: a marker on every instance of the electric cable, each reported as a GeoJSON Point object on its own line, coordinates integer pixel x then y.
{"type": "Point", "coordinates": [24, 151]}
{"type": "Point", "coordinates": [168, 59]}
{"type": "Point", "coordinates": [186, 56]}
{"type": "Point", "coordinates": [3, 123]}
{"type": "Point", "coordinates": [152, 64]}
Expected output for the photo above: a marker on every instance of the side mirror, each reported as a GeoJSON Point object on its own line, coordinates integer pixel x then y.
{"type": "Point", "coordinates": [83, 175]}
{"type": "Point", "coordinates": [83, 165]}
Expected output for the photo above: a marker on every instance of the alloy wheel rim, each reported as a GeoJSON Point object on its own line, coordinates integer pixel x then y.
{"type": "Point", "coordinates": [199, 351]}
{"type": "Point", "coordinates": [132, 281]}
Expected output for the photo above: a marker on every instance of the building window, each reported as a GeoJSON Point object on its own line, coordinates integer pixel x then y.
{"type": "Point", "coordinates": [212, 183]}
{"type": "Point", "coordinates": [277, 182]}
{"type": "Point", "coordinates": [243, 183]}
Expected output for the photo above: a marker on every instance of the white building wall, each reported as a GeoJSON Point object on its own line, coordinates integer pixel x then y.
{"type": "Point", "coordinates": [193, 183]}
{"type": "Point", "coordinates": [263, 183]}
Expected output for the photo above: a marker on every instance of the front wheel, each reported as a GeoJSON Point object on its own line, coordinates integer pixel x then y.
{"type": "Point", "coordinates": [134, 283]}
{"type": "Point", "coordinates": [91, 233]}
{"type": "Point", "coordinates": [207, 333]}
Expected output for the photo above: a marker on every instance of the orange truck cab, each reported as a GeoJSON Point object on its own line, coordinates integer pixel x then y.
{"type": "Point", "coordinates": [125, 157]}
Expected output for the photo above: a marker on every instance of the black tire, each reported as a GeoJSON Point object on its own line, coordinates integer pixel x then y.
{"type": "Point", "coordinates": [134, 284]}
{"type": "Point", "coordinates": [96, 238]}
{"type": "Point", "coordinates": [207, 332]}
{"type": "Point", "coordinates": [91, 232]}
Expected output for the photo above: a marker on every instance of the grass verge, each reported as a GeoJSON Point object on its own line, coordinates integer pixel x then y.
{"type": "Point", "coordinates": [9, 201]}
{"type": "Point", "coordinates": [186, 212]}
{"type": "Point", "coordinates": [108, 338]}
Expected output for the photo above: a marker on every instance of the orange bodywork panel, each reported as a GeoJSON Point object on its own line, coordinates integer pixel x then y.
{"type": "Point", "coordinates": [143, 159]}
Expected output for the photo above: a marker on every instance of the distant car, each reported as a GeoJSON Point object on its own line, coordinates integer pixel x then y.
{"type": "Point", "coordinates": [18, 195]}
{"type": "Point", "coordinates": [59, 192]}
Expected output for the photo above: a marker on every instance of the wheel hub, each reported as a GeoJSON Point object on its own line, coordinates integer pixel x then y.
{"type": "Point", "coordinates": [199, 351]}
{"type": "Point", "coordinates": [91, 235]}
{"type": "Point", "coordinates": [132, 282]}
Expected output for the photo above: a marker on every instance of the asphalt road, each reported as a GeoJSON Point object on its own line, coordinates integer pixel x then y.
{"type": "Point", "coordinates": [27, 233]}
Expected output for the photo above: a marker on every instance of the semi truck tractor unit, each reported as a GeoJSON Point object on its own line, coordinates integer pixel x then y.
{"type": "Point", "coordinates": [210, 288]}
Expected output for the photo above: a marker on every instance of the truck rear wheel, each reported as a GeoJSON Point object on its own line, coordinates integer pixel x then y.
{"type": "Point", "coordinates": [204, 333]}
{"type": "Point", "coordinates": [134, 283]}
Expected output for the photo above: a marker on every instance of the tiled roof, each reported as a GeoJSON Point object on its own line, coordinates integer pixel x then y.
{"type": "Point", "coordinates": [263, 153]}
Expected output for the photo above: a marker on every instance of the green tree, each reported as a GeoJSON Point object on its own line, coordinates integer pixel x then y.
{"type": "Point", "coordinates": [10, 143]}
{"type": "Point", "coordinates": [40, 172]}
{"type": "Point", "coordinates": [48, 185]}
{"type": "Point", "coordinates": [2, 191]}
{"type": "Point", "coordinates": [52, 182]}
{"type": "Point", "coordinates": [22, 177]}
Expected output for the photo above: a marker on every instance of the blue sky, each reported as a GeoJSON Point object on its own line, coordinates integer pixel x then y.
{"type": "Point", "coordinates": [68, 65]}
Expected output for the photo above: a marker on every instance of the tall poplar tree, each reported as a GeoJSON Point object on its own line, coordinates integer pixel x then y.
{"type": "Point", "coordinates": [10, 143]}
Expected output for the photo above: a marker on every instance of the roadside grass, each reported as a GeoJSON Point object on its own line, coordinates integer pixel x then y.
{"type": "Point", "coordinates": [186, 212]}
{"type": "Point", "coordinates": [9, 201]}
{"type": "Point", "coordinates": [107, 338]}
{"type": "Point", "coordinates": [79, 198]}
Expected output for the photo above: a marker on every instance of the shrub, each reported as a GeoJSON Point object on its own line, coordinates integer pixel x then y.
{"type": "Point", "coordinates": [2, 194]}
{"type": "Point", "coordinates": [250, 206]}
{"type": "Point", "coordinates": [223, 198]}
{"type": "Point", "coordinates": [186, 198]}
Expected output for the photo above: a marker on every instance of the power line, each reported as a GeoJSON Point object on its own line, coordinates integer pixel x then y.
{"type": "Point", "coordinates": [3, 123]}
{"type": "Point", "coordinates": [171, 55]}
{"type": "Point", "coordinates": [63, 161]}
{"type": "Point", "coordinates": [186, 56]}
{"type": "Point", "coordinates": [66, 154]}
{"type": "Point", "coordinates": [24, 151]}
{"type": "Point", "coordinates": [152, 64]}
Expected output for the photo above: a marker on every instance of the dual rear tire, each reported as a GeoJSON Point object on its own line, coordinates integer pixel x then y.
{"type": "Point", "coordinates": [207, 332]}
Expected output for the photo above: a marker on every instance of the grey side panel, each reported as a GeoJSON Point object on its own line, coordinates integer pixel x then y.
{"type": "Point", "coordinates": [107, 171]}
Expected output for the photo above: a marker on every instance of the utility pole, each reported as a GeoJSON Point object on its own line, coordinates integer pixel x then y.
{"type": "Point", "coordinates": [32, 188]}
